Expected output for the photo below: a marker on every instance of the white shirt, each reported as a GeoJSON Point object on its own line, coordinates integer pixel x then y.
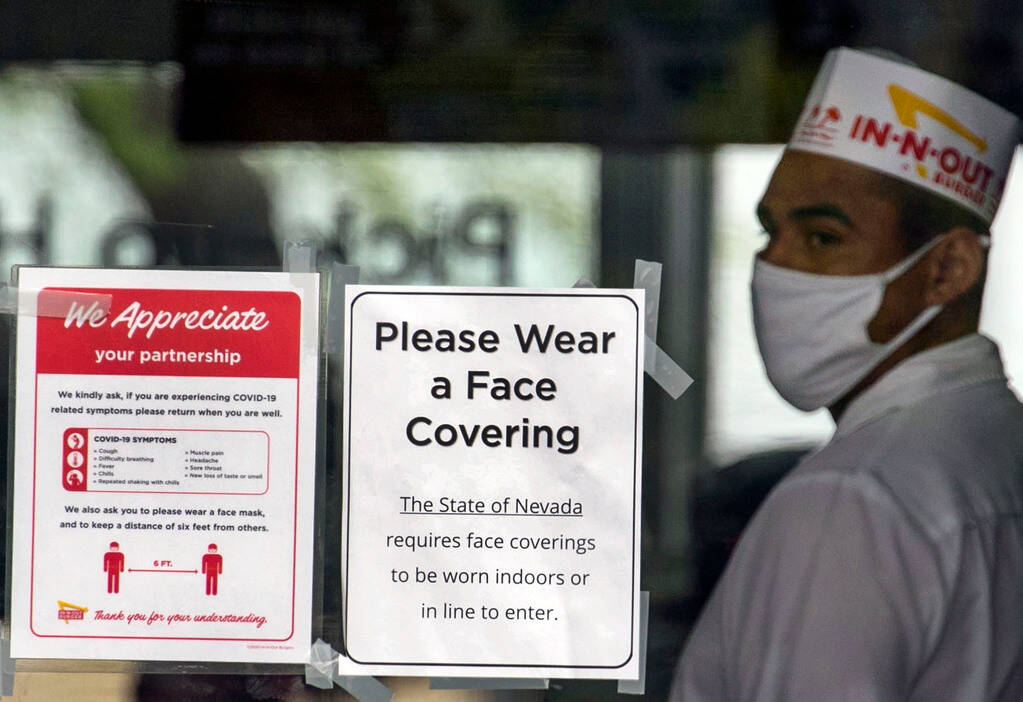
{"type": "Point", "coordinates": [888, 565]}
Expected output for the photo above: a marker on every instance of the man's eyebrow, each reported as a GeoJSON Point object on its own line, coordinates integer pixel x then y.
{"type": "Point", "coordinates": [823, 209]}
{"type": "Point", "coordinates": [764, 216]}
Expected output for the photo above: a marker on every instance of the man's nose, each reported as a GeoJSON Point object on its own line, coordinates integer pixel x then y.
{"type": "Point", "coordinates": [779, 252]}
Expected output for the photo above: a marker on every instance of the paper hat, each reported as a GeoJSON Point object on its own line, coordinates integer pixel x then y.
{"type": "Point", "coordinates": [907, 123]}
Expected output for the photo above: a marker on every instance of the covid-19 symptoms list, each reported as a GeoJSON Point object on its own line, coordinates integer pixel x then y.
{"type": "Point", "coordinates": [492, 482]}
{"type": "Point", "coordinates": [164, 465]}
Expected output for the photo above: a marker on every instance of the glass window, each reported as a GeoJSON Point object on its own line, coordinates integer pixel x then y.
{"type": "Point", "coordinates": [1000, 318]}
{"type": "Point", "coordinates": [94, 175]}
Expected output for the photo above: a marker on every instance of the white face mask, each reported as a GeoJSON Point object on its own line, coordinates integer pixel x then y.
{"type": "Point", "coordinates": [812, 329]}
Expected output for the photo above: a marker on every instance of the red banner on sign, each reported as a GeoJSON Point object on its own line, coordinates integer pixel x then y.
{"type": "Point", "coordinates": [220, 333]}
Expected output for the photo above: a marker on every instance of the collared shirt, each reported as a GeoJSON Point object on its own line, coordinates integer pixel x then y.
{"type": "Point", "coordinates": [889, 564]}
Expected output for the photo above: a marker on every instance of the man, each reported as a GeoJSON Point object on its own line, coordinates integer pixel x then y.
{"type": "Point", "coordinates": [212, 566]}
{"type": "Point", "coordinates": [113, 566]}
{"type": "Point", "coordinates": [889, 564]}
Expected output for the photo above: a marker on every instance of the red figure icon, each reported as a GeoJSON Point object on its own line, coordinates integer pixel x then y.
{"type": "Point", "coordinates": [213, 566]}
{"type": "Point", "coordinates": [113, 566]}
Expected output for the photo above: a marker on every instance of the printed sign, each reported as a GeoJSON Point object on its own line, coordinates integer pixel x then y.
{"type": "Point", "coordinates": [492, 482]}
{"type": "Point", "coordinates": [164, 457]}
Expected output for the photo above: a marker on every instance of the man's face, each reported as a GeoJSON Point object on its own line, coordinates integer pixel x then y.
{"type": "Point", "coordinates": [824, 215]}
{"type": "Point", "coordinates": [830, 217]}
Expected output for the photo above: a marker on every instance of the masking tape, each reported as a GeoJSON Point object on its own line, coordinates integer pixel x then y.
{"type": "Point", "coordinates": [319, 671]}
{"type": "Point", "coordinates": [340, 276]}
{"type": "Point", "coordinates": [299, 256]}
{"type": "Point", "coordinates": [322, 672]}
{"type": "Point", "coordinates": [8, 300]}
{"type": "Point", "coordinates": [6, 669]}
{"type": "Point", "coordinates": [648, 277]}
{"type": "Point", "coordinates": [638, 687]}
{"type": "Point", "coordinates": [657, 364]}
{"type": "Point", "coordinates": [665, 372]}
{"type": "Point", "coordinates": [49, 303]}
{"type": "Point", "coordinates": [300, 261]}
{"type": "Point", "coordinates": [364, 688]}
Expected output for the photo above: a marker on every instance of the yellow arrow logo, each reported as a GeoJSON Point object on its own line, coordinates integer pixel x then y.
{"type": "Point", "coordinates": [64, 606]}
{"type": "Point", "coordinates": [907, 105]}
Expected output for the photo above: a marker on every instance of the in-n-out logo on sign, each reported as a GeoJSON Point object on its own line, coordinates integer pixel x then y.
{"type": "Point", "coordinates": [963, 173]}
{"type": "Point", "coordinates": [67, 611]}
{"type": "Point", "coordinates": [820, 126]}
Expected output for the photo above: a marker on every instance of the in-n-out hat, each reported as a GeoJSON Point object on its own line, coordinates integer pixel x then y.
{"type": "Point", "coordinates": [911, 124]}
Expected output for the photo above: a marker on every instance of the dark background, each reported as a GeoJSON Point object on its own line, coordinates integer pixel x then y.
{"type": "Point", "coordinates": [644, 72]}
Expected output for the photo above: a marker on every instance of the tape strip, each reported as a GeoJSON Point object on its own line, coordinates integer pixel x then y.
{"type": "Point", "coordinates": [299, 256]}
{"type": "Point", "coordinates": [638, 687]}
{"type": "Point", "coordinates": [364, 688]}
{"type": "Point", "coordinates": [319, 671]}
{"type": "Point", "coordinates": [299, 262]}
{"type": "Point", "coordinates": [340, 276]}
{"type": "Point", "coordinates": [668, 374]}
{"type": "Point", "coordinates": [489, 683]}
{"type": "Point", "coordinates": [657, 364]}
{"type": "Point", "coordinates": [648, 277]}
{"type": "Point", "coordinates": [8, 299]}
{"type": "Point", "coordinates": [322, 672]}
{"type": "Point", "coordinates": [6, 669]}
{"type": "Point", "coordinates": [50, 303]}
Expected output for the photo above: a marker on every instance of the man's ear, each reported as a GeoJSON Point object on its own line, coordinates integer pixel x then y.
{"type": "Point", "coordinates": [955, 265]}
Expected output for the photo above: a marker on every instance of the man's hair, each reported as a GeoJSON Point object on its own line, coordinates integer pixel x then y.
{"type": "Point", "coordinates": [924, 215]}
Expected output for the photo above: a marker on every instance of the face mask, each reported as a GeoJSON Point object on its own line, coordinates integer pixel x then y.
{"type": "Point", "coordinates": [812, 329]}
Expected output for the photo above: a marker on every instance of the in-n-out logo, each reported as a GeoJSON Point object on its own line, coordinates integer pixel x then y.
{"type": "Point", "coordinates": [820, 125]}
{"type": "Point", "coordinates": [67, 611]}
{"type": "Point", "coordinates": [945, 165]}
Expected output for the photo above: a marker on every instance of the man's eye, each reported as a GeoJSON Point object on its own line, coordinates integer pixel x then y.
{"type": "Point", "coordinates": [820, 239]}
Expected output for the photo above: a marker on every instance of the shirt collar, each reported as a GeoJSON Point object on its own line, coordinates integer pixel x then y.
{"type": "Point", "coordinates": [966, 361]}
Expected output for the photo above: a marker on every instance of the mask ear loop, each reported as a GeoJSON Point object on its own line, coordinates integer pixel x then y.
{"type": "Point", "coordinates": [925, 317]}
{"type": "Point", "coordinates": [911, 260]}
{"type": "Point", "coordinates": [921, 320]}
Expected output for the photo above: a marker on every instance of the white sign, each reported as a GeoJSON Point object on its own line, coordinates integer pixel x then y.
{"type": "Point", "coordinates": [492, 482]}
{"type": "Point", "coordinates": [164, 465]}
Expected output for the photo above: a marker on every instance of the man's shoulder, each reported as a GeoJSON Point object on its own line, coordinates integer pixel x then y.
{"type": "Point", "coordinates": [952, 460]}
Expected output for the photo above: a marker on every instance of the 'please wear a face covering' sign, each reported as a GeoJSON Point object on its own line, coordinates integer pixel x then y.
{"type": "Point", "coordinates": [492, 481]}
